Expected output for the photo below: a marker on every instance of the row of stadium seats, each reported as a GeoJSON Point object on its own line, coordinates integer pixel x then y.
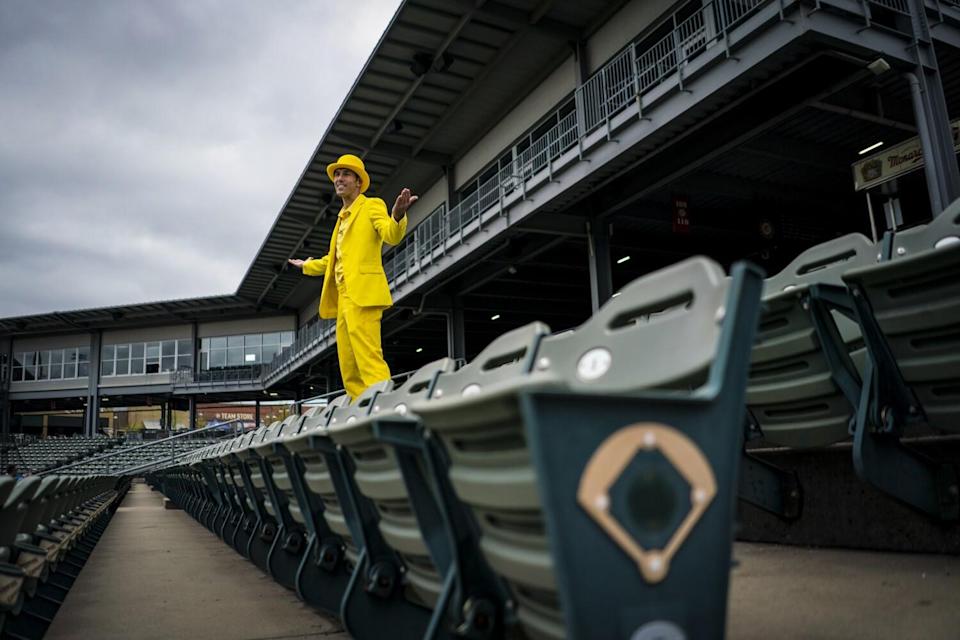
{"type": "Point", "coordinates": [54, 452]}
{"type": "Point", "coordinates": [861, 339]}
{"type": "Point", "coordinates": [135, 454]}
{"type": "Point", "coordinates": [583, 484]}
{"type": "Point", "coordinates": [48, 528]}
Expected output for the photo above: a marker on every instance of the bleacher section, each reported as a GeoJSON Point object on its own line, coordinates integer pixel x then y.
{"type": "Point", "coordinates": [54, 452]}
{"type": "Point", "coordinates": [132, 454]}
{"type": "Point", "coordinates": [48, 528]}
{"type": "Point", "coordinates": [556, 477]}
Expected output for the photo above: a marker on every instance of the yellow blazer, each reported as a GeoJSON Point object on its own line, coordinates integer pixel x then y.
{"type": "Point", "coordinates": [365, 230]}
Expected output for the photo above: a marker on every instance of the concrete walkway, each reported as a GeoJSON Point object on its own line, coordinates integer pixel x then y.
{"type": "Point", "coordinates": [159, 574]}
{"type": "Point", "coordinates": [797, 593]}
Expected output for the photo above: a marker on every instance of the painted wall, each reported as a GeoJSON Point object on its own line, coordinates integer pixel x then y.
{"type": "Point", "coordinates": [625, 25]}
{"type": "Point", "coordinates": [170, 332]}
{"type": "Point", "coordinates": [631, 20]}
{"type": "Point", "coordinates": [51, 342]}
{"type": "Point", "coordinates": [240, 327]}
{"type": "Point", "coordinates": [78, 384]}
{"type": "Point", "coordinates": [310, 312]}
{"type": "Point", "coordinates": [534, 107]}
{"type": "Point", "coordinates": [429, 200]}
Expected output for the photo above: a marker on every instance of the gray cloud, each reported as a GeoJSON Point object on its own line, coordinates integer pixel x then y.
{"type": "Point", "coordinates": [148, 146]}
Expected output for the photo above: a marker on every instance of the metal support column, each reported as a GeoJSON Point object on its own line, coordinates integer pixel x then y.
{"type": "Point", "coordinates": [930, 110]}
{"type": "Point", "coordinates": [451, 177]}
{"type": "Point", "coordinates": [456, 333]}
{"type": "Point", "coordinates": [92, 412]}
{"type": "Point", "coordinates": [256, 414]}
{"type": "Point", "coordinates": [601, 272]}
{"type": "Point", "coordinates": [580, 60]}
{"type": "Point", "coordinates": [192, 408]}
{"type": "Point", "coordinates": [5, 404]}
{"type": "Point", "coordinates": [195, 350]}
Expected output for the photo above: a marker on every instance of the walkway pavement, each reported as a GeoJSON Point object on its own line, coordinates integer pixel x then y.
{"type": "Point", "coordinates": [158, 574]}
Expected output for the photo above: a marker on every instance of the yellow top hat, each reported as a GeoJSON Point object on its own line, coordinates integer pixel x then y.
{"type": "Point", "coordinates": [355, 164]}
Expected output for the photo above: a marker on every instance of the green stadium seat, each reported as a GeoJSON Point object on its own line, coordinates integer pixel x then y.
{"type": "Point", "coordinates": [522, 445]}
{"type": "Point", "coordinates": [909, 313]}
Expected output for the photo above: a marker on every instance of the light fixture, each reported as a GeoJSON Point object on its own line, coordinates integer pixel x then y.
{"type": "Point", "coordinates": [623, 259]}
{"type": "Point", "coordinates": [273, 394]}
{"type": "Point", "coordinates": [870, 148]}
{"type": "Point", "coordinates": [419, 349]}
{"type": "Point", "coordinates": [878, 66]}
{"type": "Point", "coordinates": [496, 316]}
{"type": "Point", "coordinates": [615, 295]}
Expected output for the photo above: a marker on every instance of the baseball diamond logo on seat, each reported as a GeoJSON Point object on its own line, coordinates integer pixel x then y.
{"type": "Point", "coordinates": [608, 464]}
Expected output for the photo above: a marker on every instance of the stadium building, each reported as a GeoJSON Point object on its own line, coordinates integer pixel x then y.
{"type": "Point", "coordinates": [561, 151]}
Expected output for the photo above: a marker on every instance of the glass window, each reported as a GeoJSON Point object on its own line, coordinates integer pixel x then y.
{"type": "Point", "coordinates": [167, 363]}
{"type": "Point", "coordinates": [269, 352]}
{"type": "Point", "coordinates": [56, 364]}
{"type": "Point", "coordinates": [106, 367]}
{"type": "Point", "coordinates": [83, 369]}
{"type": "Point", "coordinates": [123, 352]}
{"type": "Point", "coordinates": [271, 338]}
{"type": "Point", "coordinates": [185, 361]}
{"type": "Point", "coordinates": [286, 338]}
{"type": "Point", "coordinates": [153, 351]}
{"type": "Point", "coordinates": [218, 343]}
{"type": "Point", "coordinates": [70, 363]}
{"type": "Point", "coordinates": [169, 348]}
{"type": "Point", "coordinates": [235, 356]}
{"type": "Point", "coordinates": [43, 365]}
{"type": "Point", "coordinates": [83, 354]}
{"type": "Point", "coordinates": [218, 358]}
{"type": "Point", "coordinates": [204, 360]}
{"type": "Point", "coordinates": [234, 341]}
{"type": "Point", "coordinates": [251, 355]}
{"type": "Point", "coordinates": [108, 352]}
{"type": "Point", "coordinates": [17, 367]}
{"type": "Point", "coordinates": [136, 366]}
{"type": "Point", "coordinates": [204, 344]}
{"type": "Point", "coordinates": [137, 349]}
{"type": "Point", "coordinates": [183, 348]}
{"type": "Point", "coordinates": [123, 367]}
{"type": "Point", "coordinates": [253, 340]}
{"type": "Point", "coordinates": [29, 366]}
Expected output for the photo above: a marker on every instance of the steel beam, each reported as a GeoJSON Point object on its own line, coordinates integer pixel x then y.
{"type": "Point", "coordinates": [601, 272]}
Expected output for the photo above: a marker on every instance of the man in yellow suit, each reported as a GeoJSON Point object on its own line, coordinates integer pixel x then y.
{"type": "Point", "coordinates": [355, 289]}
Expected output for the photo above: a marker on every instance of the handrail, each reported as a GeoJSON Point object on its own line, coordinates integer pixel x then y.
{"type": "Point", "coordinates": [136, 447]}
{"type": "Point", "coordinates": [160, 461]}
{"type": "Point", "coordinates": [631, 74]}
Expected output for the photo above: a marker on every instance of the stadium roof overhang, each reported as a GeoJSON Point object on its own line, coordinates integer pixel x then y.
{"type": "Point", "coordinates": [443, 73]}
{"type": "Point", "coordinates": [435, 83]}
{"type": "Point", "coordinates": [131, 315]}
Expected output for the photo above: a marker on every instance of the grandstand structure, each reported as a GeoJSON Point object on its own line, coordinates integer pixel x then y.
{"type": "Point", "coordinates": [714, 243]}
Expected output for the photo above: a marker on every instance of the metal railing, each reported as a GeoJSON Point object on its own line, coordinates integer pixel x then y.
{"type": "Point", "coordinates": [615, 86]}
{"type": "Point", "coordinates": [640, 68]}
{"type": "Point", "coordinates": [157, 444]}
{"type": "Point", "coordinates": [218, 377]}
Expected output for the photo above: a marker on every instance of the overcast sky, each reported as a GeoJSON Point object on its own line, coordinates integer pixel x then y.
{"type": "Point", "coordinates": [147, 146]}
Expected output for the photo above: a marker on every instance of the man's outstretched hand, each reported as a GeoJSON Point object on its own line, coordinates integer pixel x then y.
{"type": "Point", "coordinates": [298, 263]}
{"type": "Point", "coordinates": [404, 201]}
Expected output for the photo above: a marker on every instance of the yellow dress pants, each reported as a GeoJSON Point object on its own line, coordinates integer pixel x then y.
{"type": "Point", "coordinates": [358, 346]}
